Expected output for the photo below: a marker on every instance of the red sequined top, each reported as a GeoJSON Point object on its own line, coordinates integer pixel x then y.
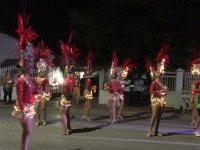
{"type": "Point", "coordinates": [114, 86]}
{"type": "Point", "coordinates": [155, 89]}
{"type": "Point", "coordinates": [196, 89]}
{"type": "Point", "coordinates": [42, 85]}
{"type": "Point", "coordinates": [25, 90]}
{"type": "Point", "coordinates": [68, 85]}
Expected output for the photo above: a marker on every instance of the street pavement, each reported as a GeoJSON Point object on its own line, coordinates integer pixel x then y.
{"type": "Point", "coordinates": [126, 134]}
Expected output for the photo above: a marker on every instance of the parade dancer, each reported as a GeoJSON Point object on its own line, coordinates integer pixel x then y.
{"type": "Point", "coordinates": [113, 87]}
{"type": "Point", "coordinates": [127, 68]}
{"type": "Point", "coordinates": [195, 95]}
{"type": "Point", "coordinates": [88, 89]}
{"type": "Point", "coordinates": [77, 88]}
{"type": "Point", "coordinates": [69, 54]}
{"type": "Point", "coordinates": [42, 87]}
{"type": "Point", "coordinates": [24, 107]}
{"type": "Point", "coordinates": [157, 90]}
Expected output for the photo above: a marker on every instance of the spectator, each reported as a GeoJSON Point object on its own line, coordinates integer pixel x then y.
{"type": "Point", "coordinates": [127, 91]}
{"type": "Point", "coordinates": [137, 91]}
{"type": "Point", "coordinates": [7, 87]}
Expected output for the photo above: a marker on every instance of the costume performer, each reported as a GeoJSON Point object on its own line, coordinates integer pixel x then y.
{"type": "Point", "coordinates": [24, 108]}
{"type": "Point", "coordinates": [77, 86]}
{"type": "Point", "coordinates": [69, 54]}
{"type": "Point", "coordinates": [113, 87]}
{"type": "Point", "coordinates": [127, 68]}
{"type": "Point", "coordinates": [195, 95]}
{"type": "Point", "coordinates": [42, 87]}
{"type": "Point", "coordinates": [88, 89]}
{"type": "Point", "coordinates": [157, 90]}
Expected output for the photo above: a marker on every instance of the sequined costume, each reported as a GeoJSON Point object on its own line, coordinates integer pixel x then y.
{"type": "Point", "coordinates": [77, 88]}
{"type": "Point", "coordinates": [24, 107]}
{"type": "Point", "coordinates": [25, 97]}
{"type": "Point", "coordinates": [114, 88]}
{"type": "Point", "coordinates": [42, 89]}
{"type": "Point", "coordinates": [87, 93]}
{"type": "Point", "coordinates": [157, 94]}
{"type": "Point", "coordinates": [67, 91]}
{"type": "Point", "coordinates": [157, 89]}
{"type": "Point", "coordinates": [121, 90]}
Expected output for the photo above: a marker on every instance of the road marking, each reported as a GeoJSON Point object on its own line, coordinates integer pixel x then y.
{"type": "Point", "coordinates": [116, 139]}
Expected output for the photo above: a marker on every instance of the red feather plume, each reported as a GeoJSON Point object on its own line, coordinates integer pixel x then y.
{"type": "Point", "coordinates": [43, 52]}
{"type": "Point", "coordinates": [163, 53]}
{"type": "Point", "coordinates": [129, 63]}
{"type": "Point", "coordinates": [90, 58]}
{"type": "Point", "coordinates": [115, 59]}
{"type": "Point", "coordinates": [25, 33]}
{"type": "Point", "coordinates": [68, 52]}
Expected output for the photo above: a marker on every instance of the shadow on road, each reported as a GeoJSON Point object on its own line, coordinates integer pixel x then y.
{"type": "Point", "coordinates": [88, 129]}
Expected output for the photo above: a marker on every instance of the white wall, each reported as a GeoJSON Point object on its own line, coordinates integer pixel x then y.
{"type": "Point", "coordinates": [8, 46]}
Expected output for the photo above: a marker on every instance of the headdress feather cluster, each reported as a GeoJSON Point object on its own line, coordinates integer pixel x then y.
{"type": "Point", "coordinates": [44, 53]}
{"type": "Point", "coordinates": [195, 63]}
{"type": "Point", "coordinates": [25, 33]}
{"type": "Point", "coordinates": [162, 60]}
{"type": "Point", "coordinates": [127, 66]}
{"type": "Point", "coordinates": [114, 65]}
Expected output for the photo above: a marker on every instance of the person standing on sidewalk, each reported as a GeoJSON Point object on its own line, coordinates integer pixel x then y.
{"type": "Point", "coordinates": [42, 87]}
{"type": "Point", "coordinates": [7, 87]}
{"type": "Point", "coordinates": [157, 90]}
{"type": "Point", "coordinates": [24, 107]}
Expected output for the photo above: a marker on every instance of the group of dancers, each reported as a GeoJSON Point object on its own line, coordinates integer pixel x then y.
{"type": "Point", "coordinates": [33, 93]}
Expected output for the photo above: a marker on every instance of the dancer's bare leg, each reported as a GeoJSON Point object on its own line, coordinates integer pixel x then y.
{"type": "Point", "coordinates": [152, 121]}
{"type": "Point", "coordinates": [27, 125]}
{"type": "Point", "coordinates": [37, 113]}
{"type": "Point", "coordinates": [44, 111]}
{"type": "Point", "coordinates": [121, 108]}
{"type": "Point", "coordinates": [64, 118]}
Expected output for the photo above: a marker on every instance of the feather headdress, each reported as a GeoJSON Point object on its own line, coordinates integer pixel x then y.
{"type": "Point", "coordinates": [25, 33]}
{"type": "Point", "coordinates": [42, 56]}
{"type": "Point", "coordinates": [162, 59]}
{"type": "Point", "coordinates": [195, 63]}
{"type": "Point", "coordinates": [25, 37]}
{"type": "Point", "coordinates": [69, 53]}
{"type": "Point", "coordinates": [127, 67]}
{"type": "Point", "coordinates": [114, 65]}
{"type": "Point", "coordinates": [90, 58]}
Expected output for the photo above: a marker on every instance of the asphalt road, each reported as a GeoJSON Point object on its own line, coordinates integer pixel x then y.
{"type": "Point", "coordinates": [126, 134]}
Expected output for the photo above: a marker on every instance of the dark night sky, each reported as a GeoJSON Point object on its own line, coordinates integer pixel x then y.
{"type": "Point", "coordinates": [48, 18]}
{"type": "Point", "coordinates": [149, 23]}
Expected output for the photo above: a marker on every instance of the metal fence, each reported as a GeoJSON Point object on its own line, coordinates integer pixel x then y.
{"type": "Point", "coordinates": [169, 79]}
